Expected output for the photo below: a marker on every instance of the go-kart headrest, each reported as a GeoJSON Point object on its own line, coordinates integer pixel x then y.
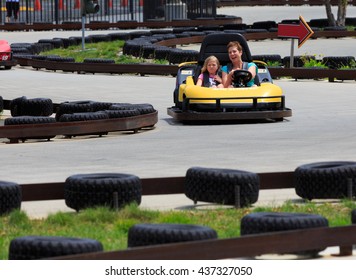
{"type": "Point", "coordinates": [216, 44]}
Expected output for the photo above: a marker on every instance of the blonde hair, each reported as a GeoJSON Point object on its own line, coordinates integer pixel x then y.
{"type": "Point", "coordinates": [207, 60]}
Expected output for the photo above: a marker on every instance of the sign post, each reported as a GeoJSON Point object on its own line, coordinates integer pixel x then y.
{"type": "Point", "coordinates": [300, 31]}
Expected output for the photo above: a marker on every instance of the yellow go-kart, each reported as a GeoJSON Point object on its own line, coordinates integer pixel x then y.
{"type": "Point", "coordinates": [195, 103]}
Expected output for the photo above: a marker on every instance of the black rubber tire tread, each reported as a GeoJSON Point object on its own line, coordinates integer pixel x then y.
{"type": "Point", "coordinates": [264, 24]}
{"type": "Point", "coordinates": [265, 222]}
{"type": "Point", "coordinates": [123, 36]}
{"type": "Point", "coordinates": [1, 104]}
{"type": "Point", "coordinates": [298, 60]}
{"type": "Point", "coordinates": [16, 106]}
{"type": "Point", "coordinates": [97, 38]}
{"type": "Point", "coordinates": [218, 185]}
{"type": "Point", "coordinates": [93, 190]}
{"type": "Point", "coordinates": [55, 43]}
{"type": "Point", "coordinates": [42, 247]}
{"type": "Point", "coordinates": [99, 60]}
{"type": "Point", "coordinates": [34, 107]}
{"type": "Point", "coordinates": [116, 114]}
{"type": "Point", "coordinates": [153, 234]}
{"type": "Point", "coordinates": [100, 106]}
{"type": "Point", "coordinates": [353, 216]}
{"type": "Point", "coordinates": [325, 180]}
{"type": "Point", "coordinates": [10, 197]}
{"type": "Point", "coordinates": [143, 108]}
{"type": "Point", "coordinates": [335, 62]}
{"type": "Point", "coordinates": [60, 59]}
{"type": "Point", "coordinates": [177, 56]}
{"type": "Point", "coordinates": [89, 116]}
{"type": "Point", "coordinates": [148, 51]}
{"type": "Point", "coordinates": [162, 52]}
{"type": "Point", "coordinates": [74, 107]}
{"type": "Point", "coordinates": [21, 120]}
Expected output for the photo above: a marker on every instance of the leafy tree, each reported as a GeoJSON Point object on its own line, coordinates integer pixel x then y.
{"type": "Point", "coordinates": [341, 13]}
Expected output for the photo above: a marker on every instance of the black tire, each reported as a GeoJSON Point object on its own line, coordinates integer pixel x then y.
{"type": "Point", "coordinates": [265, 222]}
{"type": "Point", "coordinates": [21, 120]}
{"type": "Point", "coordinates": [325, 180]}
{"type": "Point", "coordinates": [218, 185]}
{"type": "Point", "coordinates": [298, 61]}
{"type": "Point", "coordinates": [99, 60]}
{"type": "Point", "coordinates": [117, 114]}
{"type": "Point", "coordinates": [31, 107]}
{"type": "Point", "coordinates": [101, 106]}
{"type": "Point", "coordinates": [57, 43]}
{"type": "Point", "coordinates": [74, 107]}
{"type": "Point", "coordinates": [60, 59]}
{"type": "Point", "coordinates": [10, 197]}
{"type": "Point", "coordinates": [78, 117]}
{"type": "Point", "coordinates": [153, 234]}
{"type": "Point", "coordinates": [97, 38]}
{"type": "Point", "coordinates": [335, 62]}
{"type": "Point", "coordinates": [162, 52]}
{"type": "Point", "coordinates": [353, 216]}
{"type": "Point", "coordinates": [143, 108]}
{"type": "Point", "coordinates": [92, 190]}
{"type": "Point", "coordinates": [42, 247]}
{"type": "Point", "coordinates": [1, 104]}
{"type": "Point", "coordinates": [148, 51]}
{"type": "Point", "coordinates": [177, 56]}
{"type": "Point", "coordinates": [16, 106]}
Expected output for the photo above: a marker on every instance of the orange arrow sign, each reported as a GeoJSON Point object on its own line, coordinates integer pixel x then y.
{"type": "Point", "coordinates": [302, 32]}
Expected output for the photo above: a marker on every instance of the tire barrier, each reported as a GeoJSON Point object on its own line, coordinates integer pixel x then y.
{"type": "Point", "coordinates": [1, 104]}
{"type": "Point", "coordinates": [113, 190]}
{"type": "Point", "coordinates": [265, 222]}
{"type": "Point", "coordinates": [278, 242]}
{"type": "Point", "coordinates": [154, 234]}
{"type": "Point", "coordinates": [337, 62]}
{"type": "Point", "coordinates": [326, 180]}
{"type": "Point", "coordinates": [43, 247]}
{"type": "Point", "coordinates": [150, 44]}
{"type": "Point", "coordinates": [81, 117]}
{"type": "Point", "coordinates": [31, 107]}
{"type": "Point", "coordinates": [10, 197]}
{"type": "Point", "coordinates": [223, 186]}
{"type": "Point", "coordinates": [353, 216]}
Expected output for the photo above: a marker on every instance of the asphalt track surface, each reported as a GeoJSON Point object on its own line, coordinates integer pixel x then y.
{"type": "Point", "coordinates": [322, 128]}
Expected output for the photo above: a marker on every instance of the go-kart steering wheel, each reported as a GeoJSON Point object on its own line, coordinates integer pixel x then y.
{"type": "Point", "coordinates": [240, 78]}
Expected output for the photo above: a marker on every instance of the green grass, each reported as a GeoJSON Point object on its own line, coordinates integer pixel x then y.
{"type": "Point", "coordinates": [103, 50]}
{"type": "Point", "coordinates": [111, 227]}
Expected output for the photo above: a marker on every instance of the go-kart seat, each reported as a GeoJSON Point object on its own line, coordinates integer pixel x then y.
{"type": "Point", "coordinates": [216, 44]}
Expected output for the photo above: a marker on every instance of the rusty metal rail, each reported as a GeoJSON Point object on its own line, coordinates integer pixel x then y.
{"type": "Point", "coordinates": [151, 186]}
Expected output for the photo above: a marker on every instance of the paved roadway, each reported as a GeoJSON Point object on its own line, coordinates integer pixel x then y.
{"type": "Point", "coordinates": [322, 128]}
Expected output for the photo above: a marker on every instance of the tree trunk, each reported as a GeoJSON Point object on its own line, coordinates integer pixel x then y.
{"type": "Point", "coordinates": [341, 13]}
{"type": "Point", "coordinates": [329, 13]}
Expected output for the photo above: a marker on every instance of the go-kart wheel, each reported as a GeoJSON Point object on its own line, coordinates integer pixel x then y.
{"type": "Point", "coordinates": [241, 78]}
